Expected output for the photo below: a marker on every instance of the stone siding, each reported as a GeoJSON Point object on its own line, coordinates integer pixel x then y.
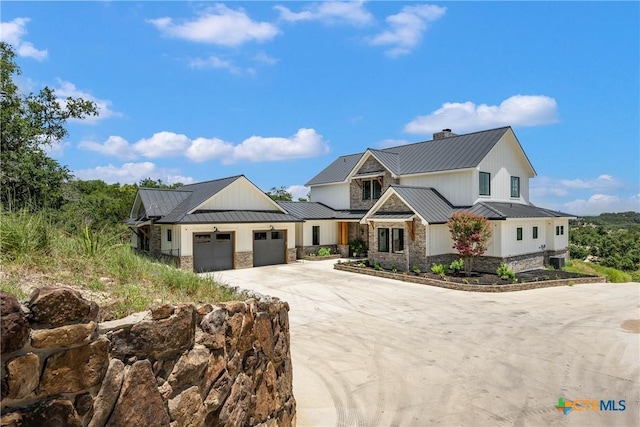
{"type": "Point", "coordinates": [371, 165]}
{"type": "Point", "coordinates": [304, 251]}
{"type": "Point", "coordinates": [185, 263]}
{"type": "Point", "coordinates": [226, 364]}
{"type": "Point", "coordinates": [486, 264]}
{"type": "Point", "coordinates": [243, 259]}
{"type": "Point", "coordinates": [291, 255]}
{"type": "Point", "coordinates": [155, 242]}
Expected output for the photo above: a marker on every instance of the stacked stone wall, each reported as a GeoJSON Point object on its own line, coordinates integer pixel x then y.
{"type": "Point", "coordinates": [176, 365]}
{"type": "Point", "coordinates": [371, 165]}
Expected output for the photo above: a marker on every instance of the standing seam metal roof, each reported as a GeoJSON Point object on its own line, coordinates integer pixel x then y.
{"type": "Point", "coordinates": [456, 152]}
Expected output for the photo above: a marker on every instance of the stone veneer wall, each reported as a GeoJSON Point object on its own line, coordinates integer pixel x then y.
{"type": "Point", "coordinates": [155, 242]}
{"type": "Point", "coordinates": [177, 365]}
{"type": "Point", "coordinates": [303, 251]}
{"type": "Point", "coordinates": [518, 263]}
{"type": "Point", "coordinates": [243, 259]}
{"type": "Point", "coordinates": [355, 190]}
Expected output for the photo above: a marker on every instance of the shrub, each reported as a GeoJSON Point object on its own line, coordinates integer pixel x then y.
{"type": "Point", "coordinates": [505, 272]}
{"type": "Point", "coordinates": [457, 265]}
{"type": "Point", "coordinates": [357, 246]}
{"type": "Point", "coordinates": [439, 269]}
{"type": "Point", "coordinates": [394, 268]}
{"type": "Point", "coordinates": [378, 266]}
{"type": "Point", "coordinates": [415, 269]}
{"type": "Point", "coordinates": [324, 252]}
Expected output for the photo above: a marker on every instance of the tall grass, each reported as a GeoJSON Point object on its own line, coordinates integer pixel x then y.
{"type": "Point", "coordinates": [97, 260]}
{"type": "Point", "coordinates": [613, 275]}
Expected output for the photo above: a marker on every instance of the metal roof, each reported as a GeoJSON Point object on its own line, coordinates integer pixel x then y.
{"type": "Point", "coordinates": [159, 202]}
{"type": "Point", "coordinates": [315, 210]}
{"type": "Point", "coordinates": [221, 217]}
{"type": "Point", "coordinates": [426, 202]}
{"type": "Point", "coordinates": [392, 215]}
{"type": "Point", "coordinates": [503, 210]}
{"type": "Point", "coordinates": [456, 152]}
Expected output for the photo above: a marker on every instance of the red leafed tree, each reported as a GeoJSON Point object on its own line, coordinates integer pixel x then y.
{"type": "Point", "coordinates": [470, 234]}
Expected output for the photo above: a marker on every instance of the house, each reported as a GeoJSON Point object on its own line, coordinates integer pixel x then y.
{"type": "Point", "coordinates": [215, 225]}
{"type": "Point", "coordinates": [408, 193]}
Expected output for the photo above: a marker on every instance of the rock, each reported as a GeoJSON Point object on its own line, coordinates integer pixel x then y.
{"type": "Point", "coordinates": [8, 304]}
{"type": "Point", "coordinates": [53, 413]}
{"type": "Point", "coordinates": [108, 394]}
{"type": "Point", "coordinates": [61, 306]}
{"type": "Point", "coordinates": [216, 364]}
{"type": "Point", "coordinates": [189, 370]}
{"type": "Point", "coordinates": [160, 339]}
{"type": "Point", "coordinates": [140, 403]}
{"type": "Point", "coordinates": [22, 375]}
{"type": "Point", "coordinates": [64, 336]}
{"type": "Point", "coordinates": [219, 393]}
{"type": "Point", "coordinates": [14, 332]}
{"type": "Point", "coordinates": [186, 408]}
{"type": "Point", "coordinates": [235, 411]}
{"type": "Point", "coordinates": [74, 370]}
{"type": "Point", "coordinates": [163, 311]}
{"type": "Point", "coordinates": [234, 307]}
{"type": "Point", "coordinates": [264, 334]}
{"type": "Point", "coordinates": [214, 329]}
{"type": "Point", "coordinates": [13, 419]}
{"type": "Point", "coordinates": [83, 404]}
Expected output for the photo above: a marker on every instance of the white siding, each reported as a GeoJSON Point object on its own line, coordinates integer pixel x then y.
{"type": "Point", "coordinates": [170, 247]}
{"type": "Point", "coordinates": [328, 232]}
{"type": "Point", "coordinates": [504, 161]}
{"type": "Point", "coordinates": [243, 234]}
{"type": "Point", "coordinates": [335, 196]}
{"type": "Point", "coordinates": [456, 187]}
{"type": "Point", "coordinates": [512, 246]}
{"type": "Point", "coordinates": [439, 240]}
{"type": "Point", "coordinates": [557, 242]}
{"type": "Point", "coordinates": [239, 195]}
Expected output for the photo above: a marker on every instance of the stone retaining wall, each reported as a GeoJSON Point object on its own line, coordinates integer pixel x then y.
{"type": "Point", "coordinates": [406, 277]}
{"type": "Point", "coordinates": [176, 365]}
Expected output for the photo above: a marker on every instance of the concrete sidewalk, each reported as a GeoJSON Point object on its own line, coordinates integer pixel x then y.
{"type": "Point", "coordinates": [376, 352]}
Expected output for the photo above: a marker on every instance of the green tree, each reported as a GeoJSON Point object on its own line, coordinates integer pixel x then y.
{"type": "Point", "coordinates": [280, 194]}
{"type": "Point", "coordinates": [470, 234]}
{"type": "Point", "coordinates": [30, 123]}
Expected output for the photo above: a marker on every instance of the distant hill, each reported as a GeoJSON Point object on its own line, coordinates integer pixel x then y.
{"type": "Point", "coordinates": [611, 220]}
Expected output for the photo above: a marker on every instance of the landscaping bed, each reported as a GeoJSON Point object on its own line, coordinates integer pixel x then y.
{"type": "Point", "coordinates": [321, 258]}
{"type": "Point", "coordinates": [479, 282]}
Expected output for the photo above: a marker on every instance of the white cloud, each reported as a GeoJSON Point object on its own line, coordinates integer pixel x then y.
{"type": "Point", "coordinates": [546, 186]}
{"type": "Point", "coordinates": [55, 148]}
{"type": "Point", "coordinates": [67, 89]}
{"type": "Point", "coordinates": [298, 191]}
{"type": "Point", "coordinates": [218, 25]}
{"type": "Point", "coordinates": [264, 58]}
{"type": "Point", "coordinates": [518, 110]}
{"type": "Point", "coordinates": [305, 143]}
{"type": "Point", "coordinates": [162, 144]}
{"type": "Point", "coordinates": [330, 12]}
{"type": "Point", "coordinates": [214, 62]}
{"type": "Point", "coordinates": [602, 182]}
{"type": "Point", "coordinates": [203, 149]}
{"type": "Point", "coordinates": [114, 146]}
{"type": "Point", "coordinates": [12, 33]}
{"type": "Point", "coordinates": [406, 28]}
{"type": "Point", "coordinates": [599, 203]}
{"type": "Point", "coordinates": [132, 173]}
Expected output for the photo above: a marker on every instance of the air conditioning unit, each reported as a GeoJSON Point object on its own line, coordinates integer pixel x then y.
{"type": "Point", "coordinates": [556, 262]}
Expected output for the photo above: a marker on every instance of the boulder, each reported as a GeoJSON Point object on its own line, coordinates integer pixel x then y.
{"type": "Point", "coordinates": [22, 375]}
{"type": "Point", "coordinates": [64, 336]}
{"type": "Point", "coordinates": [14, 325]}
{"type": "Point", "coordinates": [186, 408]}
{"type": "Point", "coordinates": [140, 403]}
{"type": "Point", "coordinates": [53, 307]}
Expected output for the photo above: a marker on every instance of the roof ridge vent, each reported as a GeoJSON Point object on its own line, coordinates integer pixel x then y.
{"type": "Point", "coordinates": [446, 133]}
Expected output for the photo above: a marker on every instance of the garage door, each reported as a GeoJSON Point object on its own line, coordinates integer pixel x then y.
{"type": "Point", "coordinates": [212, 251]}
{"type": "Point", "coordinates": [269, 247]}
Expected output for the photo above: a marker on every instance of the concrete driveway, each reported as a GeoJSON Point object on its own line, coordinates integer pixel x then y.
{"type": "Point", "coordinates": [377, 352]}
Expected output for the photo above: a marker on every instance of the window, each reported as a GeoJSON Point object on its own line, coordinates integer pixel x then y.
{"type": "Point", "coordinates": [519, 233]}
{"type": "Point", "coordinates": [559, 230]}
{"type": "Point", "coordinates": [223, 237]}
{"type": "Point", "coordinates": [397, 241]}
{"type": "Point", "coordinates": [169, 235]}
{"type": "Point", "coordinates": [515, 186]}
{"type": "Point", "coordinates": [485, 184]}
{"type": "Point", "coordinates": [371, 189]}
{"type": "Point", "coordinates": [276, 235]}
{"type": "Point", "coordinates": [202, 238]}
{"type": "Point", "coordinates": [535, 232]}
{"type": "Point", "coordinates": [260, 235]}
{"type": "Point", "coordinates": [316, 235]}
{"type": "Point", "coordinates": [383, 240]}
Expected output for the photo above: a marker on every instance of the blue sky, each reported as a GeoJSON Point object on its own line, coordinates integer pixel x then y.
{"type": "Point", "coordinates": [193, 91]}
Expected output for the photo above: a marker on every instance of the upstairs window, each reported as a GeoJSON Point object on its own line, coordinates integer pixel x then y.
{"type": "Point", "coordinates": [371, 189]}
{"type": "Point", "coordinates": [169, 235]}
{"type": "Point", "coordinates": [485, 184]}
{"type": "Point", "coordinates": [316, 235]}
{"type": "Point", "coordinates": [397, 240]}
{"type": "Point", "coordinates": [515, 186]}
{"type": "Point", "coordinates": [535, 232]}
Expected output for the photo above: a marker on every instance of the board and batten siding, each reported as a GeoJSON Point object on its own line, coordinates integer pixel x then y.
{"type": "Point", "coordinates": [170, 247]}
{"type": "Point", "coordinates": [328, 232]}
{"type": "Point", "coordinates": [502, 162]}
{"type": "Point", "coordinates": [514, 247]}
{"type": "Point", "coordinates": [439, 241]}
{"type": "Point", "coordinates": [335, 196]}
{"type": "Point", "coordinates": [455, 186]}
{"type": "Point", "coordinates": [243, 234]}
{"type": "Point", "coordinates": [239, 195]}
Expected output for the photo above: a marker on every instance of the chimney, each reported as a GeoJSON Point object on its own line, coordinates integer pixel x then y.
{"type": "Point", "coordinates": [446, 133]}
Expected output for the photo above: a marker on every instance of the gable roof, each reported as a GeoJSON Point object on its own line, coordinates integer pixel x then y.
{"type": "Point", "coordinates": [316, 210]}
{"type": "Point", "coordinates": [158, 202]}
{"type": "Point", "coordinates": [456, 152]}
{"type": "Point", "coordinates": [433, 208]}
